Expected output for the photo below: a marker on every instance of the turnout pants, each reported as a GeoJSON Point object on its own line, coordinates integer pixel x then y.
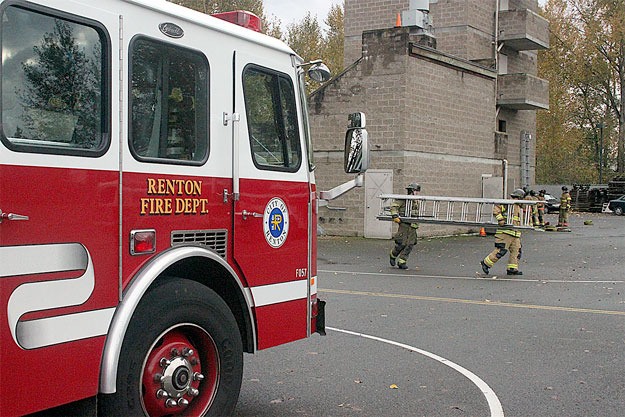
{"type": "Point", "coordinates": [505, 244]}
{"type": "Point", "coordinates": [563, 218]}
{"type": "Point", "coordinates": [405, 239]}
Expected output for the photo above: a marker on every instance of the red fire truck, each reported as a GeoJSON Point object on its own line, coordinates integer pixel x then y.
{"type": "Point", "coordinates": [157, 205]}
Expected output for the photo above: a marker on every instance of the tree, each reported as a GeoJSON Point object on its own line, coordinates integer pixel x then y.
{"type": "Point", "coordinates": [218, 6]}
{"type": "Point", "coordinates": [311, 42]}
{"type": "Point", "coordinates": [333, 54]}
{"type": "Point", "coordinates": [271, 26]}
{"type": "Point", "coordinates": [559, 149]}
{"type": "Point", "coordinates": [62, 84]}
{"type": "Point", "coordinates": [585, 67]}
{"type": "Point", "coordinates": [305, 37]}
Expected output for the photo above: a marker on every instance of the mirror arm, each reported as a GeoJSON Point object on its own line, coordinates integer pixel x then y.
{"type": "Point", "coordinates": [325, 196]}
{"type": "Point", "coordinates": [306, 64]}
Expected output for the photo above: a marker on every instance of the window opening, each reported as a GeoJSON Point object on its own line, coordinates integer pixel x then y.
{"type": "Point", "coordinates": [169, 97]}
{"type": "Point", "coordinates": [501, 126]}
{"type": "Point", "coordinates": [53, 83]}
{"type": "Point", "coordinates": [271, 110]}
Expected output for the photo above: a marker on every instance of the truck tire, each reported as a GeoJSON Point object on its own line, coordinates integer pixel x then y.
{"type": "Point", "coordinates": [182, 356]}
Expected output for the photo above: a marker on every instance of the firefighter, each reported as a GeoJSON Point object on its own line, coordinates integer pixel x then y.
{"type": "Point", "coordinates": [541, 208]}
{"type": "Point", "coordinates": [507, 239]}
{"type": "Point", "coordinates": [406, 236]}
{"type": "Point", "coordinates": [531, 196]}
{"type": "Point", "coordinates": [565, 207]}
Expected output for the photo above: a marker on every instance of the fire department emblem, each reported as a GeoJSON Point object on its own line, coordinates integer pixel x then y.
{"type": "Point", "coordinates": [276, 222]}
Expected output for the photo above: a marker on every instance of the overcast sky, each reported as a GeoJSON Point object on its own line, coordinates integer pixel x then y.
{"type": "Point", "coordinates": [290, 11]}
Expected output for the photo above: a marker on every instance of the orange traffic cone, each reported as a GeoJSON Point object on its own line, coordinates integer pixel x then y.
{"type": "Point", "coordinates": [482, 232]}
{"type": "Point", "coordinates": [398, 21]}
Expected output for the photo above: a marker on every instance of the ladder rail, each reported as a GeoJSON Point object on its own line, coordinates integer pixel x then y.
{"type": "Point", "coordinates": [467, 211]}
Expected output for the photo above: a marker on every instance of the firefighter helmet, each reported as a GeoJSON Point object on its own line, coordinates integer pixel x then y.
{"type": "Point", "coordinates": [413, 186]}
{"type": "Point", "coordinates": [565, 188]}
{"type": "Point", "coordinates": [518, 193]}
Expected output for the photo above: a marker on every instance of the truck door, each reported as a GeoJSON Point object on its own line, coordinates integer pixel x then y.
{"type": "Point", "coordinates": [59, 205]}
{"type": "Point", "coordinates": [272, 213]}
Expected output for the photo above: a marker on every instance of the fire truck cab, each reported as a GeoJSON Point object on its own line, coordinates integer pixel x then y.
{"type": "Point", "coordinates": [158, 206]}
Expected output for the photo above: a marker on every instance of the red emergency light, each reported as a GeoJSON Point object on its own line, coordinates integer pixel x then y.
{"type": "Point", "coordinates": [242, 18]}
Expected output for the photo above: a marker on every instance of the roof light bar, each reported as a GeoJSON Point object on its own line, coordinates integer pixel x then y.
{"type": "Point", "coordinates": [242, 18]}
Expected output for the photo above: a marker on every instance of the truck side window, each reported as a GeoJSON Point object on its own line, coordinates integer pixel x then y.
{"type": "Point", "coordinates": [272, 119]}
{"type": "Point", "coordinates": [168, 103]}
{"type": "Point", "coordinates": [54, 84]}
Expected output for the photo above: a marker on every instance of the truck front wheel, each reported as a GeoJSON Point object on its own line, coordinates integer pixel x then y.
{"type": "Point", "coordinates": [182, 356]}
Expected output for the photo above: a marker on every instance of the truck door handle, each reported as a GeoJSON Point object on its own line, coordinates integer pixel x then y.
{"type": "Point", "coordinates": [247, 214]}
{"type": "Point", "coordinates": [11, 216]}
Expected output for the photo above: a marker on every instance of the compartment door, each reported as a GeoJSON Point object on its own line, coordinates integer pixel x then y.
{"type": "Point", "coordinates": [59, 188]}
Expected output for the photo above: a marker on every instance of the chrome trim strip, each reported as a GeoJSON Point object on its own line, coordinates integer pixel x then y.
{"type": "Point", "coordinates": [49, 331]}
{"type": "Point", "coordinates": [45, 295]}
{"type": "Point", "coordinates": [133, 295]}
{"type": "Point", "coordinates": [280, 293]}
{"type": "Point", "coordinates": [41, 259]}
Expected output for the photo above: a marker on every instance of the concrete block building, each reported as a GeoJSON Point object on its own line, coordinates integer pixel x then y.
{"type": "Point", "coordinates": [450, 97]}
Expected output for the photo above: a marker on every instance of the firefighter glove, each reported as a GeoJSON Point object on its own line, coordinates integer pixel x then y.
{"type": "Point", "coordinates": [397, 220]}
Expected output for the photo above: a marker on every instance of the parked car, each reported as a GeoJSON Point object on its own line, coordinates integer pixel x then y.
{"type": "Point", "coordinates": [552, 204]}
{"type": "Point", "coordinates": [617, 206]}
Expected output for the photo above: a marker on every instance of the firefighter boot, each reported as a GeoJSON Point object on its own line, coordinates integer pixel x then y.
{"type": "Point", "coordinates": [402, 265]}
{"type": "Point", "coordinates": [391, 259]}
{"type": "Point", "coordinates": [485, 267]}
{"type": "Point", "coordinates": [513, 272]}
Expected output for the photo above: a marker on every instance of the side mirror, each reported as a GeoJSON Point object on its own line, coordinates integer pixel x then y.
{"type": "Point", "coordinates": [356, 151]}
{"type": "Point", "coordinates": [356, 157]}
{"type": "Point", "coordinates": [357, 120]}
{"type": "Point", "coordinates": [319, 72]}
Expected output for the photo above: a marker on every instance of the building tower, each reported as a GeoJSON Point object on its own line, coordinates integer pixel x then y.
{"type": "Point", "coordinates": [450, 96]}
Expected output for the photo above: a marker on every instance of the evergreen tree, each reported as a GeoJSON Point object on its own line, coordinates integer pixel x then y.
{"type": "Point", "coordinates": [64, 81]}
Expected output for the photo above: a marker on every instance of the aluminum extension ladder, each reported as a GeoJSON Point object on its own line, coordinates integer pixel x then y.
{"type": "Point", "coordinates": [461, 211]}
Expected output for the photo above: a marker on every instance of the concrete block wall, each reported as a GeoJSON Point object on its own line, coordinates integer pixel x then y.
{"type": "Point", "coordinates": [521, 61]}
{"type": "Point", "coordinates": [464, 28]}
{"type": "Point", "coordinates": [428, 120]}
{"type": "Point", "coordinates": [515, 26]}
{"type": "Point", "coordinates": [363, 15]}
{"type": "Point", "coordinates": [522, 4]}
{"type": "Point", "coordinates": [441, 102]}
{"type": "Point", "coordinates": [517, 122]}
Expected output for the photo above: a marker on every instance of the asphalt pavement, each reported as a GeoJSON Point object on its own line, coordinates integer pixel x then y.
{"type": "Point", "coordinates": [440, 340]}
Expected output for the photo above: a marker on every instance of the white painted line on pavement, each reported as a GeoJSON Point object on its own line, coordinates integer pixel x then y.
{"type": "Point", "coordinates": [544, 281]}
{"type": "Point", "coordinates": [496, 410]}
